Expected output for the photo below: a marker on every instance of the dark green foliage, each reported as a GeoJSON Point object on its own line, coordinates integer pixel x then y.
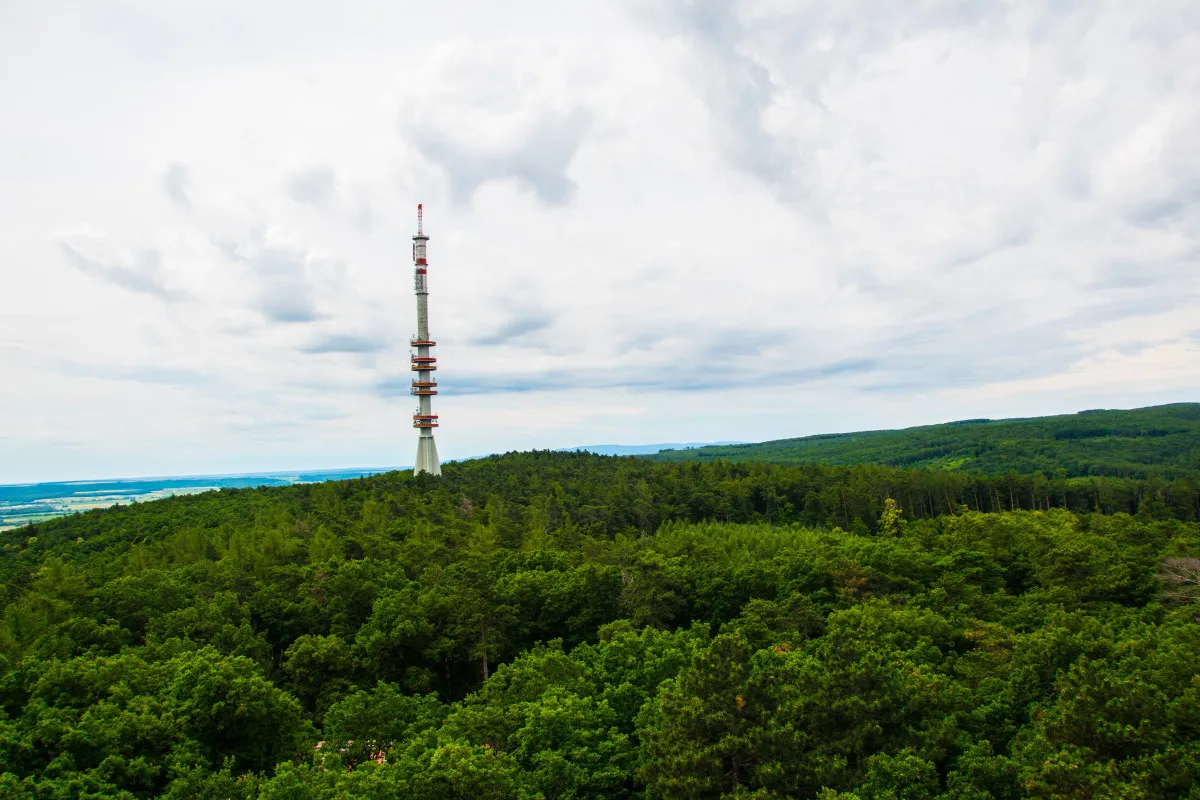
{"type": "Point", "coordinates": [568, 626]}
{"type": "Point", "coordinates": [1161, 441]}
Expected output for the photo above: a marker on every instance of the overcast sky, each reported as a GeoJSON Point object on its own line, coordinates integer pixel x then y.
{"type": "Point", "coordinates": [650, 221]}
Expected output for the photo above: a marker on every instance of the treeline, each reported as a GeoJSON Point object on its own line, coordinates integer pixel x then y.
{"type": "Point", "coordinates": [1160, 441]}
{"type": "Point", "coordinates": [596, 496]}
{"type": "Point", "coordinates": [552, 625]}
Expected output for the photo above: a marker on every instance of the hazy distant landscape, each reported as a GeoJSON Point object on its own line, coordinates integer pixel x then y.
{"type": "Point", "coordinates": [21, 504]}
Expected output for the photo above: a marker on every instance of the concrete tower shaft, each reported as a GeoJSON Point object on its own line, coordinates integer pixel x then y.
{"type": "Point", "coordinates": [423, 363]}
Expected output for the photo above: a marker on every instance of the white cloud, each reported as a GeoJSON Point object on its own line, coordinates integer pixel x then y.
{"type": "Point", "coordinates": [1167, 367]}
{"type": "Point", "coordinates": [140, 271]}
{"type": "Point", "coordinates": [651, 221]}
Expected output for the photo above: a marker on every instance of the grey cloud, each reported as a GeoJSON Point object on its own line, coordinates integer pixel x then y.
{"type": "Point", "coordinates": [468, 384]}
{"type": "Point", "coordinates": [163, 375]}
{"type": "Point", "coordinates": [284, 294]}
{"type": "Point", "coordinates": [1132, 304]}
{"type": "Point", "coordinates": [175, 182]}
{"type": "Point", "coordinates": [139, 272]}
{"type": "Point", "coordinates": [314, 185]}
{"type": "Point", "coordinates": [288, 302]}
{"type": "Point", "coordinates": [324, 414]}
{"type": "Point", "coordinates": [997, 344]}
{"type": "Point", "coordinates": [393, 385]}
{"type": "Point", "coordinates": [898, 386]}
{"type": "Point", "coordinates": [1008, 234]}
{"type": "Point", "coordinates": [265, 428]}
{"type": "Point", "coordinates": [740, 88]}
{"type": "Point", "coordinates": [1131, 348]}
{"type": "Point", "coordinates": [946, 348]}
{"type": "Point", "coordinates": [701, 374]}
{"type": "Point", "coordinates": [690, 376]}
{"type": "Point", "coordinates": [494, 384]}
{"type": "Point", "coordinates": [849, 366]}
{"type": "Point", "coordinates": [712, 20]}
{"type": "Point", "coordinates": [297, 418]}
{"type": "Point", "coordinates": [742, 343]}
{"type": "Point", "coordinates": [865, 26]}
{"type": "Point", "coordinates": [153, 374]}
{"type": "Point", "coordinates": [516, 328]}
{"type": "Point", "coordinates": [539, 162]}
{"type": "Point", "coordinates": [345, 343]}
{"type": "Point", "coordinates": [641, 338]}
{"type": "Point", "coordinates": [1167, 210]}
{"type": "Point", "coordinates": [1126, 275]}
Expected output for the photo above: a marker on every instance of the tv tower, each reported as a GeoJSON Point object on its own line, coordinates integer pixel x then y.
{"type": "Point", "coordinates": [423, 386]}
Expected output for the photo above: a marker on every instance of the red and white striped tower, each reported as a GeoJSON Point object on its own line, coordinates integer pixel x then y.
{"type": "Point", "coordinates": [423, 364]}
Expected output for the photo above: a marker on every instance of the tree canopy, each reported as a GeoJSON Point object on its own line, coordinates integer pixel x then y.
{"type": "Point", "coordinates": [562, 625]}
{"type": "Point", "coordinates": [1159, 441]}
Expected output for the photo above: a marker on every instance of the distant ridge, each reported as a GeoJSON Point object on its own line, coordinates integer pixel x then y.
{"type": "Point", "coordinates": [638, 449]}
{"type": "Point", "coordinates": [1158, 440]}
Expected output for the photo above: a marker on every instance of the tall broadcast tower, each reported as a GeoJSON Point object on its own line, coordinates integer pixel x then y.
{"type": "Point", "coordinates": [423, 386]}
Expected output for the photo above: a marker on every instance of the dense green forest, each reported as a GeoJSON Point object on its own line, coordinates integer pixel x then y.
{"type": "Point", "coordinates": [562, 625]}
{"type": "Point", "coordinates": [1161, 440]}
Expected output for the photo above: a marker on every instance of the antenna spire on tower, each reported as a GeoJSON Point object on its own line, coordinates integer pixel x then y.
{"type": "Point", "coordinates": [424, 387]}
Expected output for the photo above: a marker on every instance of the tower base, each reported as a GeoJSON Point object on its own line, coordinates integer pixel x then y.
{"type": "Point", "coordinates": [427, 457]}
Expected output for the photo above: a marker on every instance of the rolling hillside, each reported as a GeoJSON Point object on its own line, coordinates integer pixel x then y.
{"type": "Point", "coordinates": [1160, 440]}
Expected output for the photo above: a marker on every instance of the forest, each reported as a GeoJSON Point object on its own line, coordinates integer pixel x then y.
{"type": "Point", "coordinates": [565, 625]}
{"type": "Point", "coordinates": [1159, 441]}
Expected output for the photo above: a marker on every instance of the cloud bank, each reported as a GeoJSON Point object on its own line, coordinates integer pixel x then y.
{"type": "Point", "coordinates": [658, 220]}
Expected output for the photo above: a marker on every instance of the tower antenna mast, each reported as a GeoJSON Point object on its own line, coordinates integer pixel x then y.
{"type": "Point", "coordinates": [423, 364]}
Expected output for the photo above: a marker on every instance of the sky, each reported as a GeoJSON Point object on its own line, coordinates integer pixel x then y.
{"type": "Point", "coordinates": [650, 221]}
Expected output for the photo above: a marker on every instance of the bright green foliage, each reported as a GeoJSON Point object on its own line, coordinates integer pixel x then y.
{"type": "Point", "coordinates": [903, 776]}
{"type": "Point", "coordinates": [891, 521]}
{"type": "Point", "coordinates": [365, 725]}
{"type": "Point", "coordinates": [1130, 717]}
{"type": "Point", "coordinates": [1160, 440]}
{"type": "Point", "coordinates": [319, 668]}
{"type": "Point", "coordinates": [568, 626]}
{"type": "Point", "coordinates": [124, 723]}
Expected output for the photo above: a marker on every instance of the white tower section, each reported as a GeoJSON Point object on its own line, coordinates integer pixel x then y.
{"type": "Point", "coordinates": [423, 364]}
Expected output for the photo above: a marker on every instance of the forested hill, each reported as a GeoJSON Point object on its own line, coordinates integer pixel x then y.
{"type": "Point", "coordinates": [1160, 440]}
{"type": "Point", "coordinates": [539, 626]}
